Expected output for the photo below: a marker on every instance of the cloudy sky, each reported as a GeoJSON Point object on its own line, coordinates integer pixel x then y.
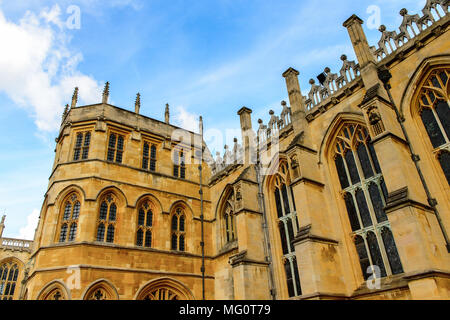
{"type": "Point", "coordinates": [203, 57]}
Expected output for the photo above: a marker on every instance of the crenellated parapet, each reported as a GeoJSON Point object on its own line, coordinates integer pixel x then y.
{"type": "Point", "coordinates": [411, 27]}
{"type": "Point", "coordinates": [332, 84]}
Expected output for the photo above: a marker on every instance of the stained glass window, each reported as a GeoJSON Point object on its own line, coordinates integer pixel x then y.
{"type": "Point", "coordinates": [435, 114]}
{"type": "Point", "coordinates": [365, 199]}
{"type": "Point", "coordinates": [69, 219]}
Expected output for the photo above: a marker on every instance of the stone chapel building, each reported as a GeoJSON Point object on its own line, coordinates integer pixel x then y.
{"type": "Point", "coordinates": [344, 195]}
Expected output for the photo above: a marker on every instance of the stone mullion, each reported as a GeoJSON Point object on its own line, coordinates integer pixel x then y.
{"type": "Point", "coordinates": [441, 128]}
{"type": "Point", "coordinates": [291, 263]}
{"type": "Point", "coordinates": [364, 187]}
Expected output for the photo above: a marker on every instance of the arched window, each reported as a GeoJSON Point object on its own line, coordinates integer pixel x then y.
{"type": "Point", "coordinates": [82, 142]}
{"type": "Point", "coordinates": [365, 198]}
{"type": "Point", "coordinates": [145, 224]}
{"type": "Point", "coordinates": [69, 221]}
{"type": "Point", "coordinates": [229, 219]}
{"type": "Point", "coordinates": [178, 230]}
{"type": "Point", "coordinates": [434, 111]}
{"type": "Point", "coordinates": [9, 272]}
{"type": "Point", "coordinates": [107, 219]}
{"type": "Point", "coordinates": [149, 157]}
{"type": "Point", "coordinates": [287, 227]}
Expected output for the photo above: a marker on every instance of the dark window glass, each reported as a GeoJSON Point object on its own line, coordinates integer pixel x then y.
{"type": "Point", "coordinates": [432, 127]}
{"type": "Point", "coordinates": [110, 234]}
{"type": "Point", "coordinates": [149, 218]}
{"type": "Point", "coordinates": [73, 232]}
{"type": "Point", "coordinates": [341, 171]}
{"type": "Point", "coordinates": [363, 209]}
{"type": "Point", "coordinates": [290, 282]}
{"type": "Point", "coordinates": [181, 243]}
{"type": "Point", "coordinates": [375, 253]}
{"type": "Point", "coordinates": [174, 241]}
{"type": "Point", "coordinates": [175, 171]}
{"type": "Point", "coordinates": [63, 234]}
{"type": "Point", "coordinates": [181, 228]}
{"type": "Point", "coordinates": [373, 155]}
{"type": "Point", "coordinates": [285, 199]}
{"type": "Point", "coordinates": [352, 167]}
{"type": "Point", "coordinates": [76, 211]}
{"type": "Point", "coordinates": [290, 233]}
{"type": "Point", "coordinates": [363, 257]}
{"type": "Point", "coordinates": [103, 211]}
{"type": "Point", "coordinates": [377, 202]}
{"type": "Point", "coordinates": [297, 277]}
{"type": "Point", "coordinates": [101, 232]}
{"type": "Point", "coordinates": [444, 160]}
{"type": "Point", "coordinates": [111, 147]}
{"type": "Point", "coordinates": [364, 160]}
{"type": "Point", "coordinates": [385, 191]}
{"type": "Point", "coordinates": [148, 239]}
{"type": "Point", "coordinates": [293, 198]}
{"type": "Point", "coordinates": [351, 210]}
{"type": "Point", "coordinates": [174, 223]}
{"type": "Point", "coordinates": [153, 152]}
{"type": "Point", "coordinates": [278, 203]}
{"type": "Point", "coordinates": [140, 238]}
{"type": "Point", "coordinates": [182, 171]}
{"type": "Point", "coordinates": [283, 238]}
{"type": "Point", "coordinates": [87, 141]}
{"type": "Point", "coordinates": [67, 211]}
{"type": "Point", "coordinates": [112, 212]}
{"type": "Point", "coordinates": [76, 155]}
{"type": "Point", "coordinates": [391, 251]}
{"type": "Point", "coordinates": [145, 156]}
{"type": "Point", "coordinates": [152, 165]}
{"type": "Point", "coordinates": [141, 217]}
{"type": "Point", "coordinates": [443, 113]}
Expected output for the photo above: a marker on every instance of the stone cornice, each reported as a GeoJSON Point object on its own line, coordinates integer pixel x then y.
{"type": "Point", "coordinates": [305, 235]}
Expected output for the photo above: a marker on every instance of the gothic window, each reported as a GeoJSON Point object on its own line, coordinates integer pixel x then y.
{"type": "Point", "coordinates": [287, 227]}
{"type": "Point", "coordinates": [145, 224]}
{"type": "Point", "coordinates": [229, 219]}
{"type": "Point", "coordinates": [9, 273]}
{"type": "Point", "coordinates": [106, 224]}
{"type": "Point", "coordinates": [179, 164]}
{"type": "Point", "coordinates": [149, 157]}
{"type": "Point", "coordinates": [83, 140]}
{"type": "Point", "coordinates": [115, 148]}
{"type": "Point", "coordinates": [162, 294]}
{"type": "Point", "coordinates": [365, 195]}
{"type": "Point", "coordinates": [178, 230]}
{"type": "Point", "coordinates": [71, 213]}
{"type": "Point", "coordinates": [434, 111]}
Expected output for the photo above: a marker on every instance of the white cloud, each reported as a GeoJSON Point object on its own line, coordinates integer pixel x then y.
{"type": "Point", "coordinates": [39, 71]}
{"type": "Point", "coordinates": [28, 231]}
{"type": "Point", "coordinates": [186, 120]}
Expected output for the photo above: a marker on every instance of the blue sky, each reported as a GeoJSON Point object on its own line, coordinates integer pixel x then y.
{"type": "Point", "coordinates": [202, 57]}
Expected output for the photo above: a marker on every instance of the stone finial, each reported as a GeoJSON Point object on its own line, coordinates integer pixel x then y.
{"type": "Point", "coordinates": [403, 12]}
{"type": "Point", "coordinates": [167, 114]}
{"type": "Point", "coordinates": [74, 98]}
{"type": "Point", "coordinates": [106, 93]}
{"type": "Point", "coordinates": [283, 103]}
{"type": "Point", "coordinates": [2, 225]}
{"type": "Point", "coordinates": [137, 103]}
{"type": "Point", "coordinates": [200, 125]}
{"type": "Point", "coordinates": [3, 219]}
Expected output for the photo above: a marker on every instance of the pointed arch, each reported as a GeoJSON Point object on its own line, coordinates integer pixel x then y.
{"type": "Point", "coordinates": [418, 77]}
{"type": "Point", "coordinates": [358, 184]}
{"type": "Point", "coordinates": [113, 189]}
{"type": "Point", "coordinates": [68, 190]}
{"type": "Point", "coordinates": [11, 270]}
{"type": "Point", "coordinates": [101, 289]}
{"type": "Point", "coordinates": [186, 207]}
{"type": "Point", "coordinates": [152, 198]}
{"type": "Point", "coordinates": [164, 289]}
{"type": "Point", "coordinates": [54, 290]}
{"type": "Point", "coordinates": [333, 127]}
